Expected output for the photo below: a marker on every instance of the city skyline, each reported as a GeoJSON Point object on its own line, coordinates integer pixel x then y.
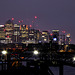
{"type": "Point", "coordinates": [57, 14]}
{"type": "Point", "coordinates": [21, 33]}
{"type": "Point", "coordinates": [37, 37]}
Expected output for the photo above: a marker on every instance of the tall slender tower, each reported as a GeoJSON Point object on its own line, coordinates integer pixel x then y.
{"type": "Point", "coordinates": [23, 33]}
{"type": "Point", "coordinates": [2, 34]}
{"type": "Point", "coordinates": [55, 36]}
{"type": "Point", "coordinates": [45, 36]}
{"type": "Point", "coordinates": [9, 26]}
{"type": "Point", "coordinates": [68, 39]}
{"type": "Point", "coordinates": [16, 33]}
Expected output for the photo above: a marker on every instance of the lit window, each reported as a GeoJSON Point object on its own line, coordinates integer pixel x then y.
{"type": "Point", "coordinates": [43, 36]}
{"type": "Point", "coordinates": [45, 39]}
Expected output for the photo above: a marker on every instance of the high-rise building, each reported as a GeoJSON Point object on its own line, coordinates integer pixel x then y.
{"type": "Point", "coordinates": [9, 26]}
{"type": "Point", "coordinates": [68, 39]}
{"type": "Point", "coordinates": [55, 36]}
{"type": "Point", "coordinates": [38, 36]}
{"type": "Point", "coordinates": [23, 33]}
{"type": "Point", "coordinates": [62, 39]}
{"type": "Point", "coordinates": [45, 36]}
{"type": "Point", "coordinates": [16, 38]}
{"type": "Point", "coordinates": [2, 34]}
{"type": "Point", "coordinates": [32, 36]}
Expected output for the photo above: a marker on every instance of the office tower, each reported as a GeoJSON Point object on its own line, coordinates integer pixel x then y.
{"type": "Point", "coordinates": [68, 39]}
{"type": "Point", "coordinates": [2, 34]}
{"type": "Point", "coordinates": [9, 26]}
{"type": "Point", "coordinates": [38, 36]}
{"type": "Point", "coordinates": [32, 36]}
{"type": "Point", "coordinates": [62, 39]}
{"type": "Point", "coordinates": [55, 36]}
{"type": "Point", "coordinates": [45, 36]}
{"type": "Point", "coordinates": [16, 36]}
{"type": "Point", "coordinates": [23, 33]}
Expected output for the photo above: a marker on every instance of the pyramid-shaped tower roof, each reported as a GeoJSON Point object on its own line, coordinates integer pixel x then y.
{"type": "Point", "coordinates": [9, 22]}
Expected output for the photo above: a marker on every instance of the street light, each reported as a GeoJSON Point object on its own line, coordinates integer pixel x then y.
{"type": "Point", "coordinates": [35, 52]}
{"type": "Point", "coordinates": [74, 58]}
{"type": "Point", "coordinates": [4, 52]}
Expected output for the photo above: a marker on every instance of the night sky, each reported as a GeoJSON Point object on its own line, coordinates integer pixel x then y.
{"type": "Point", "coordinates": [51, 14]}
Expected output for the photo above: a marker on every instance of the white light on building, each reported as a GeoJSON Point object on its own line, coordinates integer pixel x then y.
{"type": "Point", "coordinates": [4, 52]}
{"type": "Point", "coordinates": [36, 52]}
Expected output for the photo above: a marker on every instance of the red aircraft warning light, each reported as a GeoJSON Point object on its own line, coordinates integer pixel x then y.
{"type": "Point", "coordinates": [51, 34]}
{"type": "Point", "coordinates": [7, 36]}
{"type": "Point", "coordinates": [63, 31]}
{"type": "Point", "coordinates": [12, 19]}
{"type": "Point", "coordinates": [21, 20]}
{"type": "Point", "coordinates": [4, 29]}
{"type": "Point", "coordinates": [30, 26]}
{"type": "Point", "coordinates": [35, 17]}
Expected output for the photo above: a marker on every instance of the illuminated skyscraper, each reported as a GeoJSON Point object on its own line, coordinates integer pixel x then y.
{"type": "Point", "coordinates": [32, 36]}
{"type": "Point", "coordinates": [38, 36]}
{"type": "Point", "coordinates": [2, 34]}
{"type": "Point", "coordinates": [45, 36]}
{"type": "Point", "coordinates": [9, 26]}
{"type": "Point", "coordinates": [55, 36]}
{"type": "Point", "coordinates": [23, 33]}
{"type": "Point", "coordinates": [68, 39]}
{"type": "Point", "coordinates": [62, 39]}
{"type": "Point", "coordinates": [16, 38]}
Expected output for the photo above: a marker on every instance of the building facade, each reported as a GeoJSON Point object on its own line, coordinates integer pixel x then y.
{"type": "Point", "coordinates": [9, 26]}
{"type": "Point", "coordinates": [45, 37]}
{"type": "Point", "coordinates": [2, 34]}
{"type": "Point", "coordinates": [68, 39]}
{"type": "Point", "coordinates": [55, 36]}
{"type": "Point", "coordinates": [23, 33]}
{"type": "Point", "coordinates": [32, 36]}
{"type": "Point", "coordinates": [16, 34]}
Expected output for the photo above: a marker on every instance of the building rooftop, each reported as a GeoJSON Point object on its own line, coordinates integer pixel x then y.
{"type": "Point", "coordinates": [9, 22]}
